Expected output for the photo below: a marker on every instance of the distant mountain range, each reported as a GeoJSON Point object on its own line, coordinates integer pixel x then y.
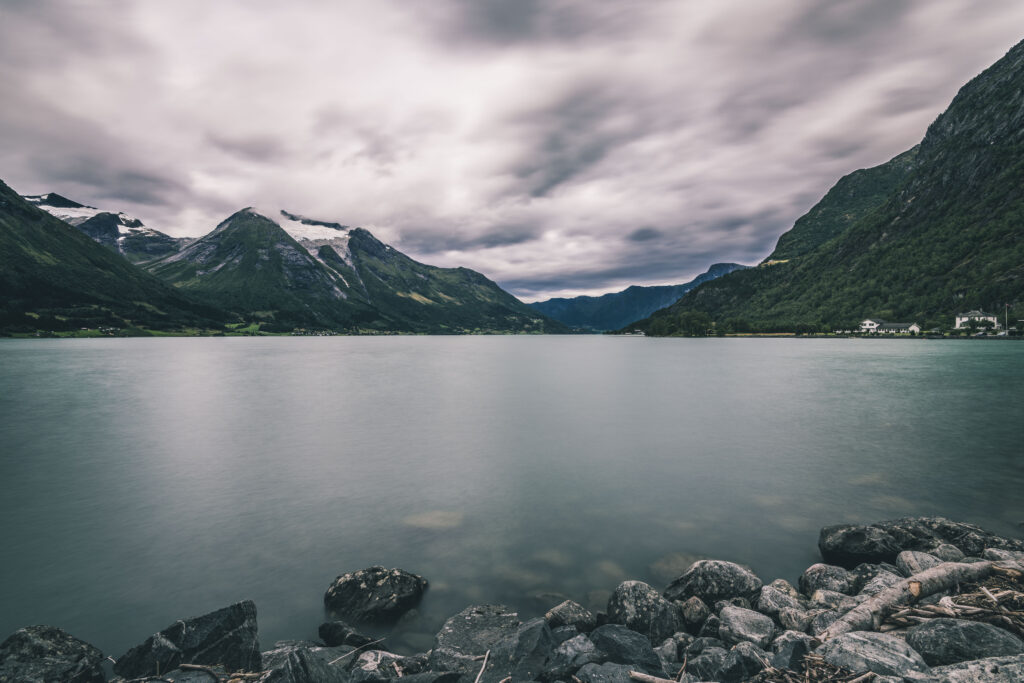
{"type": "Point", "coordinates": [618, 309]}
{"type": "Point", "coordinates": [937, 230]}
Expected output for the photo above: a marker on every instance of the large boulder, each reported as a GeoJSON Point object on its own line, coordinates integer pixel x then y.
{"type": "Point", "coordinates": [516, 650]}
{"type": "Point", "coordinates": [739, 625]}
{"type": "Point", "coordinates": [850, 544]}
{"type": "Point", "coordinates": [880, 653]}
{"type": "Point", "coordinates": [227, 637]}
{"type": "Point", "coordinates": [948, 641]}
{"type": "Point", "coordinates": [714, 580]}
{"type": "Point", "coordinates": [46, 654]}
{"type": "Point", "coordinates": [988, 670]}
{"type": "Point", "coordinates": [623, 646]}
{"type": "Point", "coordinates": [375, 594]}
{"type": "Point", "coordinates": [638, 607]}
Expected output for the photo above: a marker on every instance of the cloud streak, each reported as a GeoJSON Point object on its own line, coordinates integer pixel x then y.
{"type": "Point", "coordinates": [559, 147]}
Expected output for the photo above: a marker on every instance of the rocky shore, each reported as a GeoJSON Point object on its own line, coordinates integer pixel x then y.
{"type": "Point", "coordinates": [914, 599]}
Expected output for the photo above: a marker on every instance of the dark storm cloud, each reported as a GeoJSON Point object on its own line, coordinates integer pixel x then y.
{"type": "Point", "coordinates": [644, 234]}
{"type": "Point", "coordinates": [848, 20]}
{"type": "Point", "coordinates": [259, 148]}
{"type": "Point", "coordinates": [428, 241]}
{"type": "Point", "coordinates": [500, 23]}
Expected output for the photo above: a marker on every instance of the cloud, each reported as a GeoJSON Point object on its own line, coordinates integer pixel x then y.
{"type": "Point", "coordinates": [559, 147]}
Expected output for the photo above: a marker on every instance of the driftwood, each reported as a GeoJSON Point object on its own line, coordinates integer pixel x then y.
{"type": "Point", "coordinates": [647, 678]}
{"type": "Point", "coordinates": [869, 615]}
{"type": "Point", "coordinates": [482, 667]}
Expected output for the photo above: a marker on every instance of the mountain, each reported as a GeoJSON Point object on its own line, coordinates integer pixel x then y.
{"type": "Point", "coordinates": [947, 236]}
{"type": "Point", "coordinates": [116, 231]}
{"type": "Point", "coordinates": [616, 310]}
{"type": "Point", "coordinates": [53, 277]}
{"type": "Point", "coordinates": [298, 272]}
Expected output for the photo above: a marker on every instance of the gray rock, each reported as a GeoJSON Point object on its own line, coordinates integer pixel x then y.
{"type": "Point", "coordinates": [608, 672]}
{"type": "Point", "coordinates": [912, 562]}
{"type": "Point", "coordinates": [788, 650]}
{"type": "Point", "coordinates": [947, 552]}
{"type": "Point", "coordinates": [339, 633]}
{"type": "Point", "coordinates": [373, 666]}
{"type": "Point", "coordinates": [700, 644]}
{"type": "Point", "coordinates": [672, 651]}
{"type": "Point", "coordinates": [571, 613]}
{"type": "Point", "coordinates": [772, 601]}
{"type": "Point", "coordinates": [694, 612]}
{"type": "Point", "coordinates": [822, 620]}
{"type": "Point", "coordinates": [795, 619]}
{"type": "Point", "coordinates": [227, 636]}
{"type": "Point", "coordinates": [1000, 555]}
{"type": "Point", "coordinates": [298, 662]}
{"type": "Point", "coordinates": [569, 657]}
{"type": "Point", "coordinates": [743, 662]}
{"type": "Point", "coordinates": [45, 654]}
{"type": "Point", "coordinates": [638, 607]}
{"type": "Point", "coordinates": [862, 651]}
{"type": "Point", "coordinates": [470, 634]}
{"type": "Point", "coordinates": [709, 629]}
{"type": "Point", "coordinates": [527, 654]}
{"type": "Point", "coordinates": [708, 665]}
{"type": "Point", "coordinates": [714, 580]}
{"type": "Point", "coordinates": [733, 602]}
{"type": "Point", "coordinates": [850, 544]}
{"type": "Point", "coordinates": [880, 582]}
{"type": "Point", "coordinates": [948, 641]}
{"type": "Point", "coordinates": [623, 646]}
{"type": "Point", "coordinates": [825, 577]}
{"type": "Point", "coordinates": [832, 600]}
{"type": "Point", "coordinates": [739, 625]}
{"type": "Point", "coordinates": [988, 670]}
{"type": "Point", "coordinates": [375, 594]}
{"type": "Point", "coordinates": [863, 573]}
{"type": "Point", "coordinates": [563, 633]}
{"type": "Point", "coordinates": [786, 587]}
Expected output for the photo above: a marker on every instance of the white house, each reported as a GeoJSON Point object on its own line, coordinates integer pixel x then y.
{"type": "Point", "coordinates": [875, 326]}
{"type": "Point", "coordinates": [964, 319]}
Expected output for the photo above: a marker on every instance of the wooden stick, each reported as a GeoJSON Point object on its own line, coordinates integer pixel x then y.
{"type": "Point", "coordinates": [647, 678]}
{"type": "Point", "coordinates": [333, 661]}
{"type": "Point", "coordinates": [482, 667]}
{"type": "Point", "coordinates": [866, 677]}
{"type": "Point", "coordinates": [869, 615]}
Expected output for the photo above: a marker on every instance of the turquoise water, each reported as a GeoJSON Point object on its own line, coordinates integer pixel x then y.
{"type": "Point", "coordinates": [145, 480]}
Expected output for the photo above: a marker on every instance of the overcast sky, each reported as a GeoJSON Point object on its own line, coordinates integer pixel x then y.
{"type": "Point", "coordinates": [562, 147]}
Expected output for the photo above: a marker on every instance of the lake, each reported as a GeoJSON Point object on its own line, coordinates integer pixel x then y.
{"type": "Point", "coordinates": [147, 480]}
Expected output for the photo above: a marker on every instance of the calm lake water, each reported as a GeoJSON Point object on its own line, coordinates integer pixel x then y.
{"type": "Point", "coordinates": [146, 480]}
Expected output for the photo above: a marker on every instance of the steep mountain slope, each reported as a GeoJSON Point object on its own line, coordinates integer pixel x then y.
{"type": "Point", "coordinates": [53, 277]}
{"type": "Point", "coordinates": [116, 231]}
{"type": "Point", "coordinates": [618, 309]}
{"type": "Point", "coordinates": [949, 237]}
{"type": "Point", "coordinates": [300, 272]}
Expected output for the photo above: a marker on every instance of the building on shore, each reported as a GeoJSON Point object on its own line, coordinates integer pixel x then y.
{"type": "Point", "coordinates": [979, 317]}
{"type": "Point", "coordinates": [876, 326]}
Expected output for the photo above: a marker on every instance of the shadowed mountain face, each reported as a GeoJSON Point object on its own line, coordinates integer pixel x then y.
{"type": "Point", "coordinates": [116, 231]}
{"type": "Point", "coordinates": [294, 271]}
{"type": "Point", "coordinates": [937, 230]}
{"type": "Point", "coordinates": [53, 277]}
{"type": "Point", "coordinates": [617, 310]}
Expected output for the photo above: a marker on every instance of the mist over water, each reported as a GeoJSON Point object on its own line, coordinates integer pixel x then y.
{"type": "Point", "coordinates": [146, 480]}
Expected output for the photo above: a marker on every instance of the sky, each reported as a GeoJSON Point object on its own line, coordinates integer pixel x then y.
{"type": "Point", "coordinates": [559, 147]}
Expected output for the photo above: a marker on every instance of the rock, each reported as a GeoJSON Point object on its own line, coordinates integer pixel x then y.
{"type": "Point", "coordinates": [786, 587]}
{"type": "Point", "coordinates": [744, 661]}
{"type": "Point", "coordinates": [733, 602]}
{"type": "Point", "coordinates": [788, 650]}
{"type": "Point", "coordinates": [374, 595]}
{"type": "Point", "coordinates": [772, 601]}
{"type": "Point", "coordinates": [825, 577]}
{"type": "Point", "coordinates": [911, 562]}
{"type": "Point", "coordinates": [861, 651]}
{"type": "Point", "coordinates": [638, 607]}
{"type": "Point", "coordinates": [605, 673]}
{"type": "Point", "coordinates": [988, 670]}
{"type": "Point", "coordinates": [571, 613]}
{"type": "Point", "coordinates": [822, 620]}
{"type": "Point", "coordinates": [528, 651]}
{"type": "Point", "coordinates": [794, 619]}
{"type": "Point", "coordinates": [47, 653]}
{"type": "Point", "coordinates": [708, 665]}
{"type": "Point", "coordinates": [880, 582]}
{"type": "Point", "coordinates": [832, 600]}
{"type": "Point", "coordinates": [373, 666]}
{"type": "Point", "coordinates": [227, 637]}
{"type": "Point", "coordinates": [339, 633]}
{"type": "Point", "coordinates": [850, 544]}
{"type": "Point", "coordinates": [192, 676]}
{"type": "Point", "coordinates": [863, 573]}
{"type": "Point", "coordinates": [948, 641]}
{"type": "Point", "coordinates": [714, 580]}
{"type": "Point", "coordinates": [569, 657]}
{"type": "Point", "coordinates": [623, 646]}
{"type": "Point", "coordinates": [947, 553]}
{"type": "Point", "coordinates": [297, 662]}
{"type": "Point", "coordinates": [1000, 555]}
{"type": "Point", "coordinates": [563, 633]}
{"type": "Point", "coordinates": [432, 677]}
{"type": "Point", "coordinates": [700, 644]}
{"type": "Point", "coordinates": [740, 625]}
{"type": "Point", "coordinates": [694, 613]}
{"type": "Point", "coordinates": [672, 651]}
{"type": "Point", "coordinates": [709, 629]}
{"type": "Point", "coordinates": [470, 634]}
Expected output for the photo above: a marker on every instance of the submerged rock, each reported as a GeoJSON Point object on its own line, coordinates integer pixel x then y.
{"type": "Point", "coordinates": [227, 636]}
{"type": "Point", "coordinates": [637, 606]}
{"type": "Point", "coordinates": [862, 651]}
{"type": "Point", "coordinates": [48, 654]}
{"type": "Point", "coordinates": [948, 641]}
{"type": "Point", "coordinates": [375, 594]}
{"type": "Point", "coordinates": [714, 580]}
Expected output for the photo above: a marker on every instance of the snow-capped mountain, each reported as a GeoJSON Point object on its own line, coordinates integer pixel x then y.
{"type": "Point", "coordinates": [117, 231]}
